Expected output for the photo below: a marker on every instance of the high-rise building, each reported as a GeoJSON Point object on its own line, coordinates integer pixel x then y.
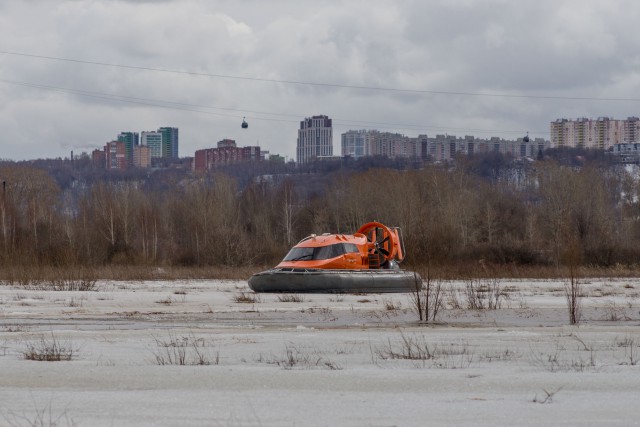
{"type": "Point", "coordinates": [602, 133]}
{"type": "Point", "coordinates": [130, 141]}
{"type": "Point", "coordinates": [356, 143]}
{"type": "Point", "coordinates": [169, 142]}
{"type": "Point", "coordinates": [315, 139]}
{"type": "Point", "coordinates": [115, 155]}
{"type": "Point", "coordinates": [359, 143]}
{"type": "Point", "coordinates": [392, 145]}
{"type": "Point", "coordinates": [153, 140]}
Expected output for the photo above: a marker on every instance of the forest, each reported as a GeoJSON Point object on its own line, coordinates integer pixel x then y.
{"type": "Point", "coordinates": [485, 210]}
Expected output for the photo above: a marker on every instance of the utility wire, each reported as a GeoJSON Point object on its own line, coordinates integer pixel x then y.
{"type": "Point", "coordinates": [320, 84]}
{"type": "Point", "coordinates": [203, 109]}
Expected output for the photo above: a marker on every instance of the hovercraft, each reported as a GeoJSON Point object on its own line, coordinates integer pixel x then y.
{"type": "Point", "coordinates": [366, 261]}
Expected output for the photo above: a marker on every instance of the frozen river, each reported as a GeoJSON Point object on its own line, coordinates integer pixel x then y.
{"type": "Point", "coordinates": [203, 353]}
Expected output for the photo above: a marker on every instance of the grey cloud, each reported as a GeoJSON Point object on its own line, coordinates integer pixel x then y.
{"type": "Point", "coordinates": [543, 47]}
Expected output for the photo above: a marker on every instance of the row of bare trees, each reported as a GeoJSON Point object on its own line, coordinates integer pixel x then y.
{"type": "Point", "coordinates": [540, 214]}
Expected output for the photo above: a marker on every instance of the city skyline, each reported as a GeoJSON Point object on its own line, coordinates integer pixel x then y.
{"type": "Point", "coordinates": [403, 67]}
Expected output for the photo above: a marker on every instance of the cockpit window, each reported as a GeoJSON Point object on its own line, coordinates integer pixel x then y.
{"type": "Point", "coordinates": [319, 253]}
{"type": "Point", "coordinates": [299, 254]}
{"type": "Point", "coordinates": [350, 248]}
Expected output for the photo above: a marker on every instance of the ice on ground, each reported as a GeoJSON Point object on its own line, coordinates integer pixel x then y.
{"type": "Point", "coordinates": [189, 353]}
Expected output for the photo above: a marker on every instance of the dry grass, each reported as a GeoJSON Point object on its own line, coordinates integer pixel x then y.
{"type": "Point", "coordinates": [30, 276]}
{"type": "Point", "coordinates": [246, 298]}
{"type": "Point", "coordinates": [290, 298]}
{"type": "Point", "coordinates": [513, 271]}
{"type": "Point", "coordinates": [295, 358]}
{"type": "Point", "coordinates": [49, 350]}
{"type": "Point", "coordinates": [183, 350]}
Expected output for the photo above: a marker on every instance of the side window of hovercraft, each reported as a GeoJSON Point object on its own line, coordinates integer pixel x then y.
{"type": "Point", "coordinates": [328, 252]}
{"type": "Point", "coordinates": [332, 251]}
{"type": "Point", "coordinates": [350, 248]}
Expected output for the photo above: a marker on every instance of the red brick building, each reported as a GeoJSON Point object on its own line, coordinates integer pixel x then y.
{"type": "Point", "coordinates": [225, 154]}
{"type": "Point", "coordinates": [116, 155]}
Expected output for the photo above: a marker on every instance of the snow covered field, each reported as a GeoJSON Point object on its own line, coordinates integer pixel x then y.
{"type": "Point", "coordinates": [318, 360]}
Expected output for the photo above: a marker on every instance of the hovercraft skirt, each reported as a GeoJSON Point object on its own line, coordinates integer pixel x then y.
{"type": "Point", "coordinates": [334, 281]}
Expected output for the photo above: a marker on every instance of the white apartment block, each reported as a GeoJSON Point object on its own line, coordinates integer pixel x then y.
{"type": "Point", "coordinates": [315, 139]}
{"type": "Point", "coordinates": [356, 143]}
{"type": "Point", "coordinates": [602, 133]}
{"type": "Point", "coordinates": [446, 147]}
{"type": "Point", "coordinates": [360, 143]}
{"type": "Point", "coordinates": [441, 148]}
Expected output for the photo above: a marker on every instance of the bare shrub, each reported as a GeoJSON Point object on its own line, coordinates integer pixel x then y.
{"type": "Point", "coordinates": [631, 353]}
{"type": "Point", "coordinates": [561, 360]}
{"type": "Point", "coordinates": [484, 294]}
{"type": "Point", "coordinates": [614, 313]}
{"type": "Point", "coordinates": [73, 302]}
{"type": "Point", "coordinates": [49, 350]}
{"type": "Point", "coordinates": [14, 328]}
{"type": "Point", "coordinates": [427, 297]}
{"type": "Point", "coordinates": [246, 298]}
{"type": "Point", "coordinates": [295, 358]}
{"type": "Point", "coordinates": [453, 299]}
{"type": "Point", "coordinates": [547, 398]}
{"type": "Point", "coordinates": [499, 355]}
{"type": "Point", "coordinates": [40, 417]}
{"type": "Point", "coordinates": [67, 279]}
{"type": "Point", "coordinates": [572, 258]}
{"type": "Point", "coordinates": [183, 350]}
{"type": "Point", "coordinates": [417, 349]}
{"type": "Point", "coordinates": [290, 298]}
{"type": "Point", "coordinates": [390, 305]}
{"type": "Point", "coordinates": [166, 301]}
{"type": "Point", "coordinates": [70, 284]}
{"type": "Point", "coordinates": [573, 294]}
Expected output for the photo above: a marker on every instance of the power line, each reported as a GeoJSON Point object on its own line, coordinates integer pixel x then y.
{"type": "Point", "coordinates": [202, 109]}
{"type": "Point", "coordinates": [320, 84]}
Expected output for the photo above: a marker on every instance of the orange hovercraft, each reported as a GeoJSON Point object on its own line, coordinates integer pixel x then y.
{"type": "Point", "coordinates": [367, 261]}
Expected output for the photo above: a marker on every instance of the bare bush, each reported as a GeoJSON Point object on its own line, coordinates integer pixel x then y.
{"type": "Point", "coordinates": [417, 349]}
{"type": "Point", "coordinates": [246, 298]}
{"type": "Point", "coordinates": [427, 298]}
{"type": "Point", "coordinates": [562, 360]}
{"type": "Point", "coordinates": [166, 301]}
{"type": "Point", "coordinates": [40, 417]}
{"type": "Point", "coordinates": [296, 358]}
{"type": "Point", "coordinates": [631, 352]}
{"type": "Point", "coordinates": [547, 398]}
{"type": "Point", "coordinates": [613, 312]}
{"type": "Point", "coordinates": [49, 350]}
{"type": "Point", "coordinates": [290, 298]}
{"type": "Point", "coordinates": [52, 279]}
{"type": "Point", "coordinates": [391, 305]}
{"type": "Point", "coordinates": [183, 350]}
{"type": "Point", "coordinates": [573, 294]}
{"type": "Point", "coordinates": [484, 294]}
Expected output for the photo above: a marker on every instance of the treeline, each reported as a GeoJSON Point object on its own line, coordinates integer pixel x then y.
{"type": "Point", "coordinates": [537, 213]}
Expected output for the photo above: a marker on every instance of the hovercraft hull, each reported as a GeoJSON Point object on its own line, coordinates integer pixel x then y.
{"type": "Point", "coordinates": [292, 280]}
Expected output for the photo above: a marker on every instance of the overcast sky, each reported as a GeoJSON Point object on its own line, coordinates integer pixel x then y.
{"type": "Point", "coordinates": [440, 58]}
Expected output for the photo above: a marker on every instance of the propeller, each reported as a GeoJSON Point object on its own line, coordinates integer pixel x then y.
{"type": "Point", "coordinates": [381, 240]}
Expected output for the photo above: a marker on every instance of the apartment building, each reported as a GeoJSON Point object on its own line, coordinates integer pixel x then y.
{"type": "Point", "coordinates": [601, 133]}
{"type": "Point", "coordinates": [227, 152]}
{"type": "Point", "coordinates": [360, 143]}
{"type": "Point", "coordinates": [315, 139]}
{"type": "Point", "coordinates": [115, 155]}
